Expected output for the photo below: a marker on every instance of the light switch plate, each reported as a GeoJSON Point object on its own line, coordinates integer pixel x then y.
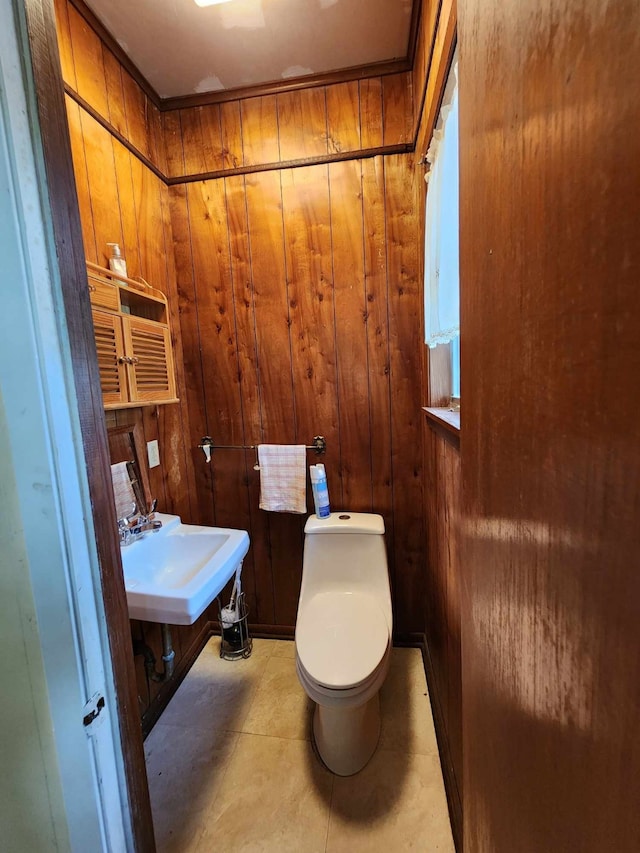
{"type": "Point", "coordinates": [153, 454]}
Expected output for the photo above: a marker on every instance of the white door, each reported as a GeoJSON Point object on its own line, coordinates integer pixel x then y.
{"type": "Point", "coordinates": [62, 784]}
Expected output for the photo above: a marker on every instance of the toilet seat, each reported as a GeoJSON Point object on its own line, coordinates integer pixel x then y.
{"type": "Point", "coordinates": [341, 638]}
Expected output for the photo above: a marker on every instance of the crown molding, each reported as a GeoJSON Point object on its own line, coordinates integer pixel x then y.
{"type": "Point", "coordinates": [292, 84]}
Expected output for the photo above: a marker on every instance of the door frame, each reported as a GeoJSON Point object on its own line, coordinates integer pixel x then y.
{"type": "Point", "coordinates": [48, 115]}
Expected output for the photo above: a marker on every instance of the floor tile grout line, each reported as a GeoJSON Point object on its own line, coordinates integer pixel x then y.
{"type": "Point", "coordinates": [220, 790]}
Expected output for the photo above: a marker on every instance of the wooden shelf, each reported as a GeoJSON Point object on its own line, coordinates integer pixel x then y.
{"type": "Point", "coordinates": [133, 340]}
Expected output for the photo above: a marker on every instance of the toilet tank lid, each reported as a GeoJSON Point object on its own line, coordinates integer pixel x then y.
{"type": "Point", "coordinates": [346, 522]}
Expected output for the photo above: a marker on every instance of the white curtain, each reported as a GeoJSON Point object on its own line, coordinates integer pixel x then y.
{"type": "Point", "coordinates": [441, 262]}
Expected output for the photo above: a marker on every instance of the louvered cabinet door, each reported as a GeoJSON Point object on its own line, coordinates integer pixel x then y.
{"type": "Point", "coordinates": [151, 374]}
{"type": "Point", "coordinates": [111, 351]}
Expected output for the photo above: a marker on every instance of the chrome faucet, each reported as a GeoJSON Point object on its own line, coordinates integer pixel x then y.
{"type": "Point", "coordinates": [134, 526]}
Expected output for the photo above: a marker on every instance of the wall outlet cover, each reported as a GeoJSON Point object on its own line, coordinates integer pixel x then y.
{"type": "Point", "coordinates": [153, 453]}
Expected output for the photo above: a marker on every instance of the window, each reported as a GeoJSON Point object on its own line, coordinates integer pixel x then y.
{"type": "Point", "coordinates": [441, 268]}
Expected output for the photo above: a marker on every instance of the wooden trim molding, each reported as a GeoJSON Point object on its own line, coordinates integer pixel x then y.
{"type": "Point", "coordinates": [292, 84]}
{"type": "Point", "coordinates": [67, 236]}
{"type": "Point", "coordinates": [281, 165]}
{"type": "Point", "coordinates": [442, 48]}
{"type": "Point", "coordinates": [112, 130]}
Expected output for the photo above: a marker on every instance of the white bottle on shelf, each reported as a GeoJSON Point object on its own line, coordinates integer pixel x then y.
{"type": "Point", "coordinates": [116, 262]}
{"type": "Point", "coordinates": [320, 490]}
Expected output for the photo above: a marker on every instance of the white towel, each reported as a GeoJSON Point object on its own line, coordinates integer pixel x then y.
{"type": "Point", "coordinates": [283, 477]}
{"type": "Point", "coordinates": [122, 490]}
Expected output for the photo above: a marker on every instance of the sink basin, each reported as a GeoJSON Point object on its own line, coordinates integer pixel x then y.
{"type": "Point", "coordinates": [173, 574]}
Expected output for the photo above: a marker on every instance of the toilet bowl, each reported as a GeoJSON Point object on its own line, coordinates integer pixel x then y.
{"type": "Point", "coordinates": [343, 634]}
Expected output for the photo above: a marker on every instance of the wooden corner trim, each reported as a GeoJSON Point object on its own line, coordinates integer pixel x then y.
{"type": "Point", "coordinates": [450, 44]}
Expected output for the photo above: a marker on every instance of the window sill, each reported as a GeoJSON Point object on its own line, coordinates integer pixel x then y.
{"type": "Point", "coordinates": [444, 419]}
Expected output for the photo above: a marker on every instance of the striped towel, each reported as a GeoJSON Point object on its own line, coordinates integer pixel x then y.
{"type": "Point", "coordinates": [283, 477]}
{"type": "Point", "coordinates": [122, 490]}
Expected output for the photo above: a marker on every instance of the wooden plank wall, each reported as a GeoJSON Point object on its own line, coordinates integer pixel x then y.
{"type": "Point", "coordinates": [121, 200]}
{"type": "Point", "coordinates": [300, 311]}
{"type": "Point", "coordinates": [290, 126]}
{"type": "Point", "coordinates": [294, 294]}
{"type": "Point", "coordinates": [551, 436]}
{"type": "Point", "coordinates": [443, 568]}
{"type": "Point", "coordinates": [442, 600]}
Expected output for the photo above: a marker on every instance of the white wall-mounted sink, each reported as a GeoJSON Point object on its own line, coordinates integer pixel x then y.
{"type": "Point", "coordinates": [173, 574]}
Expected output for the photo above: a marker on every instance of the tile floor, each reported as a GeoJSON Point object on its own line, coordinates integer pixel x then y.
{"type": "Point", "coordinates": [231, 767]}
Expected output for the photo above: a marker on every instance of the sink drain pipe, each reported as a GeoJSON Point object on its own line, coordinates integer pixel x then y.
{"type": "Point", "coordinates": [168, 656]}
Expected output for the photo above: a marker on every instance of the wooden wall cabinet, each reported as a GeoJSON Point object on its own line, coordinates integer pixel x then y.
{"type": "Point", "coordinates": [133, 339]}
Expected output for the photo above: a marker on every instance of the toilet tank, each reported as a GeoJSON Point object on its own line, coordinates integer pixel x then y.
{"type": "Point", "coordinates": [346, 552]}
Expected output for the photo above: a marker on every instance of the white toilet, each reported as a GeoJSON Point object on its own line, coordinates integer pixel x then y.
{"type": "Point", "coordinates": [343, 634]}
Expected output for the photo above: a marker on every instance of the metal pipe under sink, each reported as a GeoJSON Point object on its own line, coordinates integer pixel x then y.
{"type": "Point", "coordinates": [168, 656]}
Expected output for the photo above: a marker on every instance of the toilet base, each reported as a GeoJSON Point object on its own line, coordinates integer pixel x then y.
{"type": "Point", "coordinates": [346, 738]}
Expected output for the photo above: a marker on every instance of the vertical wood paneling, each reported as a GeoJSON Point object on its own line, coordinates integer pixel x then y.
{"type": "Point", "coordinates": [135, 102]}
{"type": "Point", "coordinates": [307, 235]}
{"type": "Point", "coordinates": [174, 150]}
{"type": "Point", "coordinates": [351, 333]}
{"type": "Point", "coordinates": [371, 112]}
{"type": "Point", "coordinates": [241, 275]}
{"type": "Point", "coordinates": [343, 117]}
{"type": "Point", "coordinates": [302, 123]}
{"type": "Point", "coordinates": [126, 202]}
{"type": "Point", "coordinates": [375, 277]}
{"type": "Point", "coordinates": [260, 130]}
{"type": "Point", "coordinates": [157, 151]}
{"type": "Point", "coordinates": [210, 247]}
{"type": "Point", "coordinates": [115, 94]}
{"type": "Point", "coordinates": [82, 180]}
{"type": "Point", "coordinates": [64, 43]}
{"type": "Point", "coordinates": [178, 448]}
{"type": "Point", "coordinates": [397, 108]}
{"type": "Point", "coordinates": [148, 207]}
{"type": "Point", "coordinates": [308, 275]}
{"type": "Point", "coordinates": [192, 360]}
{"type": "Point", "coordinates": [202, 139]}
{"type": "Point", "coordinates": [231, 124]}
{"type": "Point", "coordinates": [89, 66]}
{"type": "Point", "coordinates": [211, 128]}
{"type": "Point", "coordinates": [443, 603]}
{"type": "Point", "coordinates": [103, 187]}
{"type": "Point", "coordinates": [264, 206]}
{"type": "Point", "coordinates": [550, 318]}
{"type": "Point", "coordinates": [405, 313]}
{"type": "Point", "coordinates": [282, 283]}
{"type": "Point", "coordinates": [214, 294]}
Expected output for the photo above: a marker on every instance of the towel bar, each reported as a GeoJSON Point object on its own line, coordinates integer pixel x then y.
{"type": "Point", "coordinates": [319, 445]}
